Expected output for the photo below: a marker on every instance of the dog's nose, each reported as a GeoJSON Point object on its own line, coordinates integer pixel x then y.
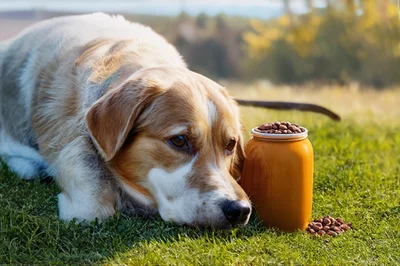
{"type": "Point", "coordinates": [236, 211]}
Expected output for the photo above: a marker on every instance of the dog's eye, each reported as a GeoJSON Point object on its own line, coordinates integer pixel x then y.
{"type": "Point", "coordinates": [231, 145]}
{"type": "Point", "coordinates": [179, 141]}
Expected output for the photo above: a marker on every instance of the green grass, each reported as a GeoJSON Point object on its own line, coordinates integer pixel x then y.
{"type": "Point", "coordinates": [357, 177]}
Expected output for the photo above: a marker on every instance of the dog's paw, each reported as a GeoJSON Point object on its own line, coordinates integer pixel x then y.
{"type": "Point", "coordinates": [86, 211]}
{"type": "Point", "coordinates": [26, 168]}
{"type": "Point", "coordinates": [65, 208]}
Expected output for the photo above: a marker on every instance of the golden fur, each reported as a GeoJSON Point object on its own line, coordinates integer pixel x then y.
{"type": "Point", "coordinates": [103, 108]}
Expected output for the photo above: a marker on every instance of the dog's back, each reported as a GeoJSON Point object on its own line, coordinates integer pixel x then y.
{"type": "Point", "coordinates": [56, 63]}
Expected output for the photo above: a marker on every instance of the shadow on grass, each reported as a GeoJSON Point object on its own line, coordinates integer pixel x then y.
{"type": "Point", "coordinates": [32, 234]}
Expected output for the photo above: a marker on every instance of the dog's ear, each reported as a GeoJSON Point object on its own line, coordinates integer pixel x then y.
{"type": "Point", "coordinates": [112, 117]}
{"type": "Point", "coordinates": [238, 159]}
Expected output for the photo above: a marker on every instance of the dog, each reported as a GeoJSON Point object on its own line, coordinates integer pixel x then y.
{"type": "Point", "coordinates": [110, 110]}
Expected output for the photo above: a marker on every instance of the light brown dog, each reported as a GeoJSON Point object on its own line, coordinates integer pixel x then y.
{"type": "Point", "coordinates": [110, 109]}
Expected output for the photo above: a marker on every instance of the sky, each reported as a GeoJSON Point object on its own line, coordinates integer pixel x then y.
{"type": "Point", "coordinates": [251, 8]}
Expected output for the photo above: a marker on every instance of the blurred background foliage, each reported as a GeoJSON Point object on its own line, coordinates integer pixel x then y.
{"type": "Point", "coordinates": [341, 42]}
{"type": "Point", "coordinates": [355, 41]}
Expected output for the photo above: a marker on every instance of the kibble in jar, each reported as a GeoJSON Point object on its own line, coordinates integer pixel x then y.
{"type": "Point", "coordinates": [277, 127]}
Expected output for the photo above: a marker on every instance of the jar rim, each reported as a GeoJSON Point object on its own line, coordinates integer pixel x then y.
{"type": "Point", "coordinates": [279, 137]}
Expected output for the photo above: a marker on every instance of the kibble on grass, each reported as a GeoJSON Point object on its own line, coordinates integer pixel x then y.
{"type": "Point", "coordinates": [328, 226]}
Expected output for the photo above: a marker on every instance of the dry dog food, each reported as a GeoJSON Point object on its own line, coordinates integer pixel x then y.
{"type": "Point", "coordinates": [283, 127]}
{"type": "Point", "coordinates": [328, 226]}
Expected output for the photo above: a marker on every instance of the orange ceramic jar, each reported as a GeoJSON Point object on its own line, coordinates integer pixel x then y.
{"type": "Point", "coordinates": [278, 177]}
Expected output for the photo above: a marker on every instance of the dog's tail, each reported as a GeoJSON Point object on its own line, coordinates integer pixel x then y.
{"type": "Point", "coordinates": [290, 106]}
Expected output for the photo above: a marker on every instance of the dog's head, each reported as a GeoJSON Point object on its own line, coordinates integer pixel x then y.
{"type": "Point", "coordinates": [173, 138]}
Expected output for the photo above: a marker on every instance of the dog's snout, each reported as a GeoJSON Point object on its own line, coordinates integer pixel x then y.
{"type": "Point", "coordinates": [236, 212]}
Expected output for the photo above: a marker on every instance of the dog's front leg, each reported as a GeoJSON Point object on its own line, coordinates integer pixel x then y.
{"type": "Point", "coordinates": [87, 189]}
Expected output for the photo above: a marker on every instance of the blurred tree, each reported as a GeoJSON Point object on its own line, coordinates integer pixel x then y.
{"type": "Point", "coordinates": [350, 7]}
{"type": "Point", "coordinates": [383, 10]}
{"type": "Point", "coordinates": [202, 20]}
{"type": "Point", "coordinates": [310, 6]}
{"type": "Point", "coordinates": [288, 11]}
{"type": "Point", "coordinates": [229, 41]}
{"type": "Point", "coordinates": [359, 40]}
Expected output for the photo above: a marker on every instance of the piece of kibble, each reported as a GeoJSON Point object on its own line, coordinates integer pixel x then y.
{"type": "Point", "coordinates": [317, 226]}
{"type": "Point", "coordinates": [345, 227]}
{"type": "Point", "coordinates": [326, 221]}
{"type": "Point", "coordinates": [331, 233]}
{"type": "Point", "coordinates": [326, 228]}
{"type": "Point", "coordinates": [283, 127]}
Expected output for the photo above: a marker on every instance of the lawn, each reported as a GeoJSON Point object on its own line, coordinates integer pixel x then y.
{"type": "Point", "coordinates": [357, 177]}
